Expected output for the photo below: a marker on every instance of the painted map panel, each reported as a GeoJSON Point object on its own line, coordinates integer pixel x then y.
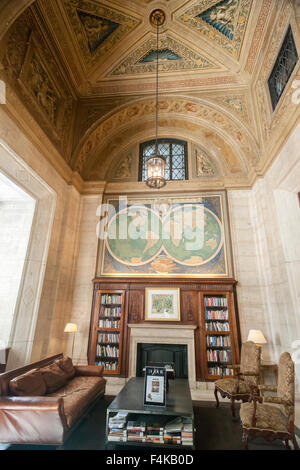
{"type": "Point", "coordinates": [177, 237]}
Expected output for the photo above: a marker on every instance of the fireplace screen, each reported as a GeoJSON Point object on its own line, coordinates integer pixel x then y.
{"type": "Point", "coordinates": [175, 354]}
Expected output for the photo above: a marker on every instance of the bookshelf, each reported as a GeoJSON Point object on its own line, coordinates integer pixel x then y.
{"type": "Point", "coordinates": [217, 335]}
{"type": "Point", "coordinates": [107, 330]}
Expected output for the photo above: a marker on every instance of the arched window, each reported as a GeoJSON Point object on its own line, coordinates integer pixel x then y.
{"type": "Point", "coordinates": [175, 153]}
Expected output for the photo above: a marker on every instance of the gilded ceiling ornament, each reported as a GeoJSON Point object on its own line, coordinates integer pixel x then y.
{"type": "Point", "coordinates": [203, 165]}
{"type": "Point", "coordinates": [97, 28]}
{"type": "Point", "coordinates": [173, 56]}
{"type": "Point", "coordinates": [157, 17]}
{"type": "Point", "coordinates": [223, 23]}
{"type": "Point", "coordinates": [124, 168]}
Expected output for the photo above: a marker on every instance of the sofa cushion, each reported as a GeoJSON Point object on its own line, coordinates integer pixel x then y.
{"type": "Point", "coordinates": [66, 365]}
{"type": "Point", "coordinates": [78, 394]}
{"type": "Point", "coordinates": [54, 377]}
{"type": "Point", "coordinates": [30, 384]}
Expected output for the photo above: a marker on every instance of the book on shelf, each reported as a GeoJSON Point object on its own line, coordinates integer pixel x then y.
{"type": "Point", "coordinates": [218, 371]}
{"type": "Point", "coordinates": [107, 299]}
{"type": "Point", "coordinates": [117, 427]}
{"type": "Point", "coordinates": [218, 341]}
{"type": "Point", "coordinates": [111, 324]}
{"type": "Point", "coordinates": [216, 326]}
{"type": "Point", "coordinates": [108, 366]}
{"type": "Point", "coordinates": [216, 315]}
{"type": "Point", "coordinates": [107, 351]}
{"type": "Point", "coordinates": [218, 356]}
{"type": "Point", "coordinates": [111, 312]}
{"type": "Point", "coordinates": [215, 301]}
{"type": "Point", "coordinates": [109, 338]}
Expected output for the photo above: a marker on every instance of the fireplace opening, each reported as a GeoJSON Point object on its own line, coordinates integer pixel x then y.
{"type": "Point", "coordinates": [152, 352]}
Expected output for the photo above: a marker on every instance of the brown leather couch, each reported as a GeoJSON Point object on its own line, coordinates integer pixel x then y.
{"type": "Point", "coordinates": [43, 402]}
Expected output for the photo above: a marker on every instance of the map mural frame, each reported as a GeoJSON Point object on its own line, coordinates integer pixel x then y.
{"type": "Point", "coordinates": [163, 246]}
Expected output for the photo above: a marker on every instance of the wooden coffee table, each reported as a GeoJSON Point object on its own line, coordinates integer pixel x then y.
{"type": "Point", "coordinates": [131, 400]}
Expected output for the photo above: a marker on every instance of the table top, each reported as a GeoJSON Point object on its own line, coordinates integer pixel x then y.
{"type": "Point", "coordinates": [131, 399]}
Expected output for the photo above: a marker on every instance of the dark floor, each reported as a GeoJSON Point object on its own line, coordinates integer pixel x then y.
{"type": "Point", "coordinates": [215, 430]}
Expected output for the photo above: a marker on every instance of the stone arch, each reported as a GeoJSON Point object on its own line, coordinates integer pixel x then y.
{"type": "Point", "coordinates": [214, 117]}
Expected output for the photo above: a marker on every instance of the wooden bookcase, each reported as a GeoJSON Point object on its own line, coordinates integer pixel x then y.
{"type": "Point", "coordinates": [107, 330]}
{"type": "Point", "coordinates": [219, 339]}
{"type": "Point", "coordinates": [193, 294]}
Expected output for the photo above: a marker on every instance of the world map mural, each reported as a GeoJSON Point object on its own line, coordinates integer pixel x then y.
{"type": "Point", "coordinates": [177, 237]}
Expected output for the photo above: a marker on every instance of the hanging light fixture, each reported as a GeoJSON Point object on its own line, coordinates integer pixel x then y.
{"type": "Point", "coordinates": [156, 164]}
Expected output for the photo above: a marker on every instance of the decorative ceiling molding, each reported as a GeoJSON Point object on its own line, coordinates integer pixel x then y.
{"type": "Point", "coordinates": [223, 22]}
{"type": "Point", "coordinates": [190, 109]}
{"type": "Point", "coordinates": [98, 28]}
{"type": "Point", "coordinates": [173, 56]}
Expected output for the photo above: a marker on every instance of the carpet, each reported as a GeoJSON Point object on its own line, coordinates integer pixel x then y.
{"type": "Point", "coordinates": [215, 430]}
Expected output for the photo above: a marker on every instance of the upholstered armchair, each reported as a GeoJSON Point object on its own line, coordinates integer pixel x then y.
{"type": "Point", "coordinates": [272, 417]}
{"type": "Point", "coordinates": [246, 375]}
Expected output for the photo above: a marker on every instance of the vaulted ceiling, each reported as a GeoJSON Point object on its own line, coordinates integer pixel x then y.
{"type": "Point", "coordinates": [85, 70]}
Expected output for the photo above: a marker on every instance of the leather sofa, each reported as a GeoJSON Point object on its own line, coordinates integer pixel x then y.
{"type": "Point", "coordinates": [42, 403]}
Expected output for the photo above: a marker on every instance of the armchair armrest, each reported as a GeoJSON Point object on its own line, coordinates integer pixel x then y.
{"type": "Point", "coordinates": [32, 420]}
{"type": "Point", "coordinates": [278, 401]}
{"type": "Point", "coordinates": [89, 371]}
{"type": "Point", "coordinates": [267, 388]}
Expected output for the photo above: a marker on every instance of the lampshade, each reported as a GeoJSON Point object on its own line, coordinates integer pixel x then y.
{"type": "Point", "coordinates": [257, 337]}
{"type": "Point", "coordinates": [70, 328]}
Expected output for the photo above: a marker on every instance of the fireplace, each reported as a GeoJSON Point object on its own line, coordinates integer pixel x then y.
{"type": "Point", "coordinates": [162, 339]}
{"type": "Point", "coordinates": [156, 352]}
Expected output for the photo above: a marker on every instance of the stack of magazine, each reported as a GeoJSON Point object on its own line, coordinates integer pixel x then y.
{"type": "Point", "coordinates": [172, 432]}
{"type": "Point", "coordinates": [117, 427]}
{"type": "Point", "coordinates": [187, 433]}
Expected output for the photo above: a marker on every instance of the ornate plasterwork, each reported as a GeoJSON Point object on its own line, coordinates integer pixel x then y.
{"type": "Point", "coordinates": [204, 164]}
{"type": "Point", "coordinates": [188, 109]}
{"type": "Point", "coordinates": [124, 168]}
{"type": "Point", "coordinates": [223, 22]}
{"type": "Point", "coordinates": [106, 28]}
{"type": "Point", "coordinates": [187, 59]}
{"type": "Point", "coordinates": [31, 69]}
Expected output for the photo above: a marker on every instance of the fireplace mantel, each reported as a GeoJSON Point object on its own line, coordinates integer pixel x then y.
{"type": "Point", "coordinates": [160, 326]}
{"type": "Point", "coordinates": [163, 334]}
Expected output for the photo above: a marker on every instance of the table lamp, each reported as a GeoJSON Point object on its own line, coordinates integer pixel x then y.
{"type": "Point", "coordinates": [257, 337]}
{"type": "Point", "coordinates": [71, 328]}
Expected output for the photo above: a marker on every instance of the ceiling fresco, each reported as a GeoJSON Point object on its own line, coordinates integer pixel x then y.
{"type": "Point", "coordinates": [85, 71]}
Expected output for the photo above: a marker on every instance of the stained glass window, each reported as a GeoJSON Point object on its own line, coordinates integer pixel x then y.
{"type": "Point", "coordinates": [283, 68]}
{"type": "Point", "coordinates": [175, 153]}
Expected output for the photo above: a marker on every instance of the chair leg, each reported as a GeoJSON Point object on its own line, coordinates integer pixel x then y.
{"type": "Point", "coordinates": [245, 439]}
{"type": "Point", "coordinates": [295, 443]}
{"type": "Point", "coordinates": [287, 445]}
{"type": "Point", "coordinates": [217, 398]}
{"type": "Point", "coordinates": [233, 408]}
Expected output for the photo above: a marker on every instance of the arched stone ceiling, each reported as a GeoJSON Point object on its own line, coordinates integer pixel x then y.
{"type": "Point", "coordinates": [84, 69]}
{"type": "Point", "coordinates": [203, 121]}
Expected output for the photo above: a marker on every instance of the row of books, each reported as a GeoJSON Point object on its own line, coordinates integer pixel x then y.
{"type": "Point", "coordinates": [109, 323]}
{"type": "Point", "coordinates": [178, 431]}
{"type": "Point", "coordinates": [111, 299]}
{"type": "Point", "coordinates": [218, 356]}
{"type": "Point", "coordinates": [216, 326]}
{"type": "Point", "coordinates": [109, 338]}
{"type": "Point", "coordinates": [111, 365]}
{"type": "Point", "coordinates": [216, 315]}
{"type": "Point", "coordinates": [218, 341]}
{"type": "Point", "coordinates": [111, 312]}
{"type": "Point", "coordinates": [216, 301]}
{"type": "Point", "coordinates": [107, 351]}
{"type": "Point", "coordinates": [218, 371]}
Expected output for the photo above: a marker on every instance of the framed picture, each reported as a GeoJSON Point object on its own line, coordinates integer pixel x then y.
{"type": "Point", "coordinates": [155, 386]}
{"type": "Point", "coordinates": [162, 304]}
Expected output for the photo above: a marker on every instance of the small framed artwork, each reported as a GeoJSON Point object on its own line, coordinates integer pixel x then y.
{"type": "Point", "coordinates": [162, 304]}
{"type": "Point", "coordinates": [155, 386]}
